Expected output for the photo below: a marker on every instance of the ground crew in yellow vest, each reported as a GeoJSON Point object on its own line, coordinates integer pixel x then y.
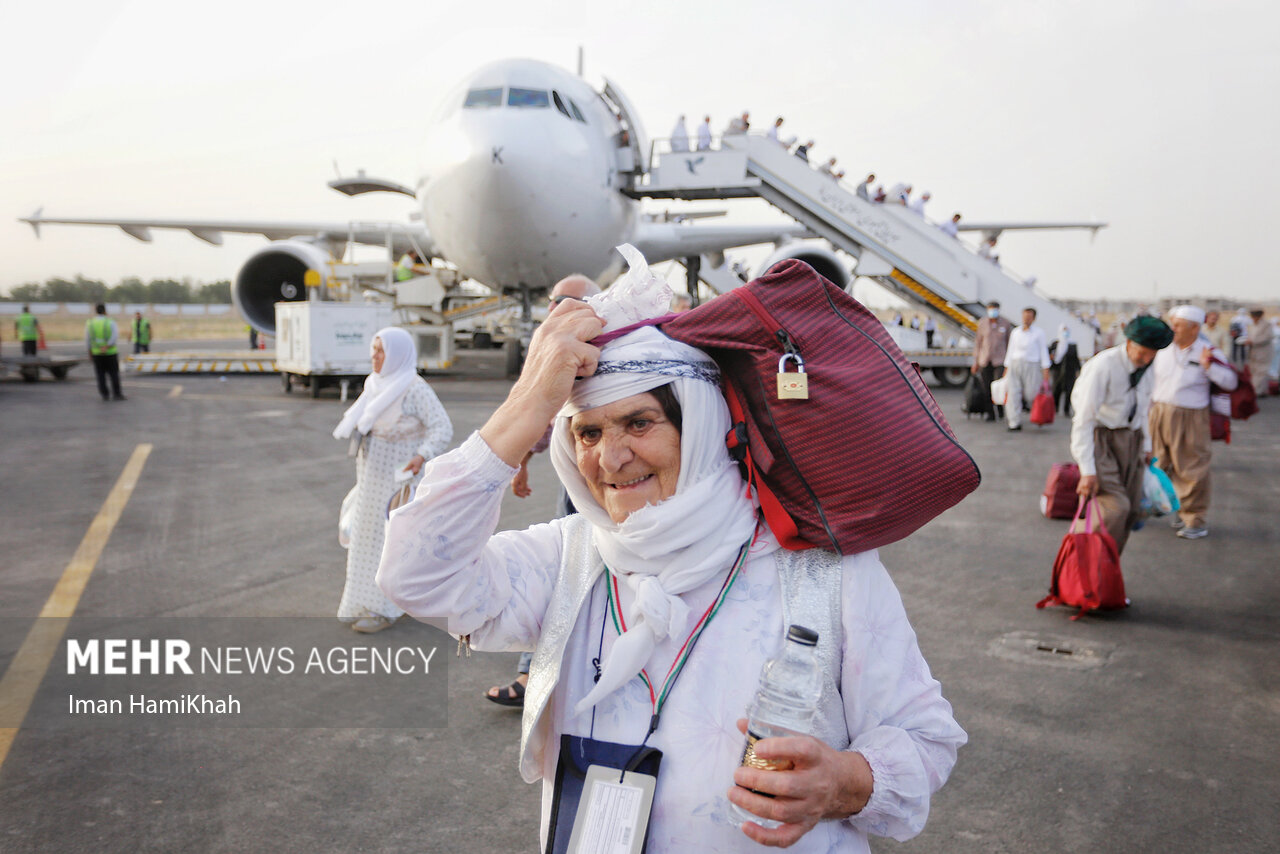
{"type": "Point", "coordinates": [141, 333]}
{"type": "Point", "coordinates": [100, 338]}
{"type": "Point", "coordinates": [409, 265]}
{"type": "Point", "coordinates": [27, 328]}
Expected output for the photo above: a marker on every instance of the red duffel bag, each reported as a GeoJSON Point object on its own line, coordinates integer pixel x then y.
{"type": "Point", "coordinates": [1042, 406]}
{"type": "Point", "coordinates": [1059, 499]}
{"type": "Point", "coordinates": [1086, 572]}
{"type": "Point", "coordinates": [843, 442]}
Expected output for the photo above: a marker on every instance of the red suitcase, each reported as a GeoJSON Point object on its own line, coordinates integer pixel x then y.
{"type": "Point", "coordinates": [1059, 500]}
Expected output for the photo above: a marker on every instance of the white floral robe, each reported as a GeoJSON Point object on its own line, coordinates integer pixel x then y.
{"type": "Point", "coordinates": [421, 426]}
{"type": "Point", "coordinates": [443, 560]}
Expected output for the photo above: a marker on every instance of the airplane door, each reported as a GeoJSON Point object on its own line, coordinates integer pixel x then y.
{"type": "Point", "coordinates": [628, 114]}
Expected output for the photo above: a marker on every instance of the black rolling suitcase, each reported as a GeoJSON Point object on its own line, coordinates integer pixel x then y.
{"type": "Point", "coordinates": [977, 399]}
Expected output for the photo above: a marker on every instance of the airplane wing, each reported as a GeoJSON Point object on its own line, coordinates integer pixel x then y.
{"type": "Point", "coordinates": [403, 236]}
{"type": "Point", "coordinates": [663, 241]}
{"type": "Point", "coordinates": [993, 229]}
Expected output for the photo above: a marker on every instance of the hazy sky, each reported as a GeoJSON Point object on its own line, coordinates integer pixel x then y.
{"type": "Point", "coordinates": [1157, 116]}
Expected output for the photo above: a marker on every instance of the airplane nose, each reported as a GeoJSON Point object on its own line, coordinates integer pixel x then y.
{"type": "Point", "coordinates": [492, 163]}
{"type": "Point", "coordinates": [514, 197]}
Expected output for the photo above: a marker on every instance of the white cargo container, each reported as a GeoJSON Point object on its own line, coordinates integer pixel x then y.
{"type": "Point", "coordinates": [323, 343]}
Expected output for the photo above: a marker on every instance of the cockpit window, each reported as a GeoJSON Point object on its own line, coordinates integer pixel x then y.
{"type": "Point", "coordinates": [484, 98]}
{"type": "Point", "coordinates": [559, 102]}
{"type": "Point", "coordinates": [577, 114]}
{"type": "Point", "coordinates": [527, 98]}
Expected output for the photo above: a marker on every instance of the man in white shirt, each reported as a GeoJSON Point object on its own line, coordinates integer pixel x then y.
{"type": "Point", "coordinates": [1026, 366]}
{"type": "Point", "coordinates": [988, 250]}
{"type": "Point", "coordinates": [1109, 439]}
{"type": "Point", "coordinates": [864, 189]}
{"type": "Point", "coordinates": [952, 228]}
{"type": "Point", "coordinates": [704, 134]}
{"type": "Point", "coordinates": [1179, 420]}
{"type": "Point", "coordinates": [775, 134]}
{"type": "Point", "coordinates": [917, 207]}
{"type": "Point", "coordinates": [679, 136]}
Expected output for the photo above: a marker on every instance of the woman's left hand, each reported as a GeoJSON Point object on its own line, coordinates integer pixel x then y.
{"type": "Point", "coordinates": [415, 465]}
{"type": "Point", "coordinates": [822, 783]}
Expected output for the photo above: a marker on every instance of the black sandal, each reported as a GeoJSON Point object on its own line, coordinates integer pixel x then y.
{"type": "Point", "coordinates": [510, 695]}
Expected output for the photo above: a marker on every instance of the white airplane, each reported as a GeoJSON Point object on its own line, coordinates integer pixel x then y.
{"type": "Point", "coordinates": [526, 167]}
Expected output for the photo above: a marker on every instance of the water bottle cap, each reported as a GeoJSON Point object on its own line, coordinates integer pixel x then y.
{"type": "Point", "coordinates": [803, 636]}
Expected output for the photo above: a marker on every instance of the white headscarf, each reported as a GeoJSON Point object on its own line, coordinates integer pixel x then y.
{"type": "Point", "coordinates": [1064, 341]}
{"type": "Point", "coordinates": [662, 550]}
{"type": "Point", "coordinates": [383, 388]}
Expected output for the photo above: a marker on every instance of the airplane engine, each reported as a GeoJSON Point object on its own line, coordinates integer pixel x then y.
{"type": "Point", "coordinates": [276, 273]}
{"type": "Point", "coordinates": [820, 258]}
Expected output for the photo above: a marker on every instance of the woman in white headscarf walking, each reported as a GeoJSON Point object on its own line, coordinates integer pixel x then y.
{"type": "Point", "coordinates": [664, 574]}
{"type": "Point", "coordinates": [396, 425]}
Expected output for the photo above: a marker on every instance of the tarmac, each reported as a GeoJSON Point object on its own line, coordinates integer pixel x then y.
{"type": "Point", "coordinates": [1155, 728]}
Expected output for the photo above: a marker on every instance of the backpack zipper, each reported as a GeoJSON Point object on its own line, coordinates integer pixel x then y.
{"type": "Point", "coordinates": [758, 309]}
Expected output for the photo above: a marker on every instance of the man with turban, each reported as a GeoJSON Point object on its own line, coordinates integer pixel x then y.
{"type": "Point", "coordinates": [1179, 420]}
{"type": "Point", "coordinates": [1109, 440]}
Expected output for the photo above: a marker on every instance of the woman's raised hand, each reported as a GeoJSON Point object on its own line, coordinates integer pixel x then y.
{"type": "Point", "coordinates": [558, 354]}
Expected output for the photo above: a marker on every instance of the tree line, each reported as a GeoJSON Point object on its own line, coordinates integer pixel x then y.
{"type": "Point", "coordinates": [128, 290]}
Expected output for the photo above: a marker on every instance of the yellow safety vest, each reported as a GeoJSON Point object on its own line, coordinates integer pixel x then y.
{"type": "Point", "coordinates": [404, 269]}
{"type": "Point", "coordinates": [27, 330]}
{"type": "Point", "coordinates": [142, 330]}
{"type": "Point", "coordinates": [100, 334]}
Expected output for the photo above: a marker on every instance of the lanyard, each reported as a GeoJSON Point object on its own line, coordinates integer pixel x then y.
{"type": "Point", "coordinates": [658, 699]}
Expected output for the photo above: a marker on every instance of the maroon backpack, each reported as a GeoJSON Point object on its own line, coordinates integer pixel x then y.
{"type": "Point", "coordinates": [862, 458]}
{"type": "Point", "coordinates": [1059, 499]}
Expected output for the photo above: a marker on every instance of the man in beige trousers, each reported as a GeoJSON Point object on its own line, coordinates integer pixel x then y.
{"type": "Point", "coordinates": [1179, 420]}
{"type": "Point", "coordinates": [1109, 439]}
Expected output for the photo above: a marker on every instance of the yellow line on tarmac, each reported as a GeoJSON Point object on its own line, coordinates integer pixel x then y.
{"type": "Point", "coordinates": [175, 391]}
{"type": "Point", "coordinates": [22, 679]}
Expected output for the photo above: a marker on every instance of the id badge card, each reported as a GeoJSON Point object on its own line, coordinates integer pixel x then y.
{"type": "Point", "coordinates": [613, 814]}
{"type": "Point", "coordinates": [595, 807]}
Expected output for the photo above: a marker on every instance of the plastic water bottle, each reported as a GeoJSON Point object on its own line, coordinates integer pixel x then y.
{"type": "Point", "coordinates": [785, 703]}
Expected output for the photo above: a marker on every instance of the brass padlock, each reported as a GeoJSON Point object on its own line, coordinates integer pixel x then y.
{"type": "Point", "coordinates": [793, 386]}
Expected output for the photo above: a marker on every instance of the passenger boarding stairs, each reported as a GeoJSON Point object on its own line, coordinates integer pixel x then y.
{"type": "Point", "coordinates": [894, 247]}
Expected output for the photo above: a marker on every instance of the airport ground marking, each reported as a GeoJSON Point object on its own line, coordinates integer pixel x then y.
{"type": "Point", "coordinates": [20, 682]}
{"type": "Point", "coordinates": [175, 391]}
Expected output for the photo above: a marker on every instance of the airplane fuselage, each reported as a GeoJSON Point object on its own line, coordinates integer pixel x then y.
{"type": "Point", "coordinates": [521, 183]}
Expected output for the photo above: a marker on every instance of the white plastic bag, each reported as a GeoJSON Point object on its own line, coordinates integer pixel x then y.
{"type": "Point", "coordinates": [1000, 391]}
{"type": "Point", "coordinates": [637, 295]}
{"type": "Point", "coordinates": [1158, 495]}
{"type": "Point", "coordinates": [347, 518]}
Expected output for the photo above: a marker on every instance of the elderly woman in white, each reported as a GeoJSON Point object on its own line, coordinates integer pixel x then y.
{"type": "Point", "coordinates": [666, 544]}
{"type": "Point", "coordinates": [399, 424]}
